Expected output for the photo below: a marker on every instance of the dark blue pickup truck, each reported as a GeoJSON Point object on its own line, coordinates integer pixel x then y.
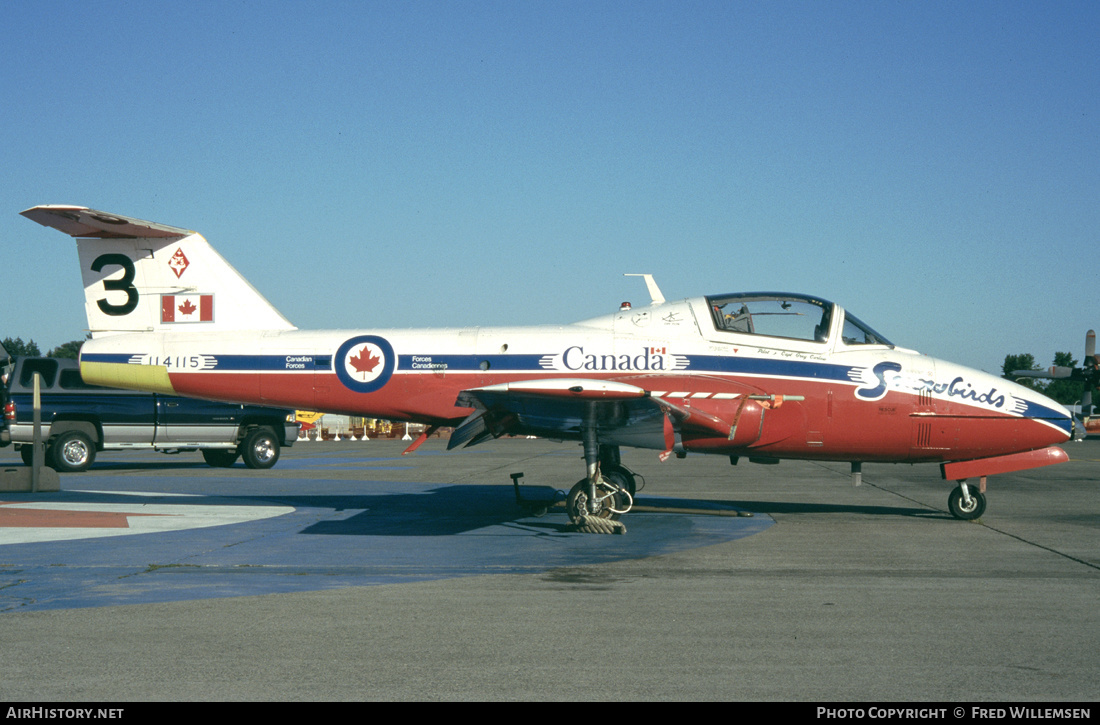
{"type": "Point", "coordinates": [78, 420]}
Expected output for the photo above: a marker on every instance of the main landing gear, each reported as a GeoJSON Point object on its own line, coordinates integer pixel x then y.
{"type": "Point", "coordinates": [607, 492]}
{"type": "Point", "coordinates": [966, 503]}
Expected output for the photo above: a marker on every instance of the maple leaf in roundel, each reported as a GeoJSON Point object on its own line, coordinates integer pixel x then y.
{"type": "Point", "coordinates": [187, 308]}
{"type": "Point", "coordinates": [364, 362]}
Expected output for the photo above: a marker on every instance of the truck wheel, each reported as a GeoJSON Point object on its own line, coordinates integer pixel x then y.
{"type": "Point", "coordinates": [219, 458]}
{"type": "Point", "coordinates": [27, 454]}
{"type": "Point", "coordinates": [260, 449]}
{"type": "Point", "coordinates": [71, 452]}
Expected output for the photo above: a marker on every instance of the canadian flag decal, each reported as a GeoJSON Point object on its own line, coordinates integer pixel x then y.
{"type": "Point", "coordinates": [187, 308]}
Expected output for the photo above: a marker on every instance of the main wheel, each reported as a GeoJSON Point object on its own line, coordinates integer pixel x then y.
{"type": "Point", "coordinates": [260, 449]}
{"type": "Point", "coordinates": [961, 510]}
{"type": "Point", "coordinates": [620, 477]}
{"type": "Point", "coordinates": [220, 458]}
{"type": "Point", "coordinates": [71, 452]}
{"type": "Point", "coordinates": [609, 502]}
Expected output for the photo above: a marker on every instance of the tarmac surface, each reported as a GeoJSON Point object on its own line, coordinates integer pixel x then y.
{"type": "Point", "coordinates": [350, 572]}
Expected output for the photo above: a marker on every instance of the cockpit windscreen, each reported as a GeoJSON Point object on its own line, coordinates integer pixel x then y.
{"type": "Point", "coordinates": [792, 316]}
{"type": "Point", "coordinates": [856, 332]}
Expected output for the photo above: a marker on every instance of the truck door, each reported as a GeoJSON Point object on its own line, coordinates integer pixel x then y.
{"type": "Point", "coordinates": [183, 421]}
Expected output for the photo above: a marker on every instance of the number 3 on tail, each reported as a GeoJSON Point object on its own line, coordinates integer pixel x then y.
{"type": "Point", "coordinates": [125, 283]}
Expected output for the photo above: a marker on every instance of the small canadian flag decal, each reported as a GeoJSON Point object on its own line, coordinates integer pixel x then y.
{"type": "Point", "coordinates": [187, 308]}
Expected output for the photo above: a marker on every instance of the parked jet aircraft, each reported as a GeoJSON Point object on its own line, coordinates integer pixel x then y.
{"type": "Point", "coordinates": [1088, 375]}
{"type": "Point", "coordinates": [763, 376]}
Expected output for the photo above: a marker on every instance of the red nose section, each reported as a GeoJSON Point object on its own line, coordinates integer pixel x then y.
{"type": "Point", "coordinates": [983, 436]}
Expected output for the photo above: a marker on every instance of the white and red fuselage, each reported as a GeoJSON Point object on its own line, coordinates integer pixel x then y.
{"type": "Point", "coordinates": [840, 401]}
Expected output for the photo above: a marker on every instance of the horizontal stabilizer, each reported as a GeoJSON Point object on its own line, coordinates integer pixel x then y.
{"type": "Point", "coordinates": [80, 221]}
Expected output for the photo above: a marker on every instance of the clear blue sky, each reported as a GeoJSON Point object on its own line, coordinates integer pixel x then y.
{"type": "Point", "coordinates": [934, 167]}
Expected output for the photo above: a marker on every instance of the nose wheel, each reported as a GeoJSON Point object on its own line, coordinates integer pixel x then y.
{"type": "Point", "coordinates": [966, 503]}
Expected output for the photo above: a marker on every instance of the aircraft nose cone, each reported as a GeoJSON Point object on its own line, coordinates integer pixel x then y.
{"type": "Point", "coordinates": [990, 416]}
{"type": "Point", "coordinates": [1050, 422]}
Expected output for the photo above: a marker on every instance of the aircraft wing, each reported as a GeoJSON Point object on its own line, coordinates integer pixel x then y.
{"type": "Point", "coordinates": [554, 408]}
{"type": "Point", "coordinates": [625, 413]}
{"type": "Point", "coordinates": [80, 221]}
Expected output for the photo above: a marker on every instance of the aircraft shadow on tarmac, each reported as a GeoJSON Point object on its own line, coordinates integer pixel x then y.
{"type": "Point", "coordinates": [439, 511]}
{"type": "Point", "coordinates": [451, 510]}
{"type": "Point", "coordinates": [456, 509]}
{"type": "Point", "coordinates": [447, 510]}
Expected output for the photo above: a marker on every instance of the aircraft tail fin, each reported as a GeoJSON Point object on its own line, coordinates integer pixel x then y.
{"type": "Point", "coordinates": [141, 276]}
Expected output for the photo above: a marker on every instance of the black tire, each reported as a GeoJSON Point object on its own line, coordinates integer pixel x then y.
{"type": "Point", "coordinates": [260, 449]}
{"type": "Point", "coordinates": [960, 510]}
{"type": "Point", "coordinates": [576, 504]}
{"type": "Point", "coordinates": [71, 452]}
{"type": "Point", "coordinates": [220, 458]}
{"type": "Point", "coordinates": [27, 454]}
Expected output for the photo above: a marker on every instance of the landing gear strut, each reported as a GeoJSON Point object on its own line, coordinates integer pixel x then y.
{"type": "Point", "coordinates": [607, 492]}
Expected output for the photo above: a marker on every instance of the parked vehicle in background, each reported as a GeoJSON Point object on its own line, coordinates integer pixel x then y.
{"type": "Point", "coordinates": [79, 420]}
{"type": "Point", "coordinates": [6, 363]}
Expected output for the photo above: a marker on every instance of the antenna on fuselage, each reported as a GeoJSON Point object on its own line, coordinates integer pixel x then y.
{"type": "Point", "coordinates": [654, 290]}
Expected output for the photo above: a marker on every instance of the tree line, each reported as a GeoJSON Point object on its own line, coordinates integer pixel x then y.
{"type": "Point", "coordinates": [17, 348]}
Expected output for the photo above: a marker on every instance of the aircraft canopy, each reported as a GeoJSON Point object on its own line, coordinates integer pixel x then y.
{"type": "Point", "coordinates": [794, 316]}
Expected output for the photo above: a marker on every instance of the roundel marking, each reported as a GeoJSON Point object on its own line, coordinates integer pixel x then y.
{"type": "Point", "coordinates": [365, 363]}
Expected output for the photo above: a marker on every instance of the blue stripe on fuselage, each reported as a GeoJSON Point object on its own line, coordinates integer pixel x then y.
{"type": "Point", "coordinates": [697, 364]}
{"type": "Point", "coordinates": [222, 363]}
{"type": "Point", "coordinates": [1056, 418]}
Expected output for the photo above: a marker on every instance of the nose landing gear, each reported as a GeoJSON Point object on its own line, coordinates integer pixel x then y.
{"type": "Point", "coordinates": [966, 504]}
